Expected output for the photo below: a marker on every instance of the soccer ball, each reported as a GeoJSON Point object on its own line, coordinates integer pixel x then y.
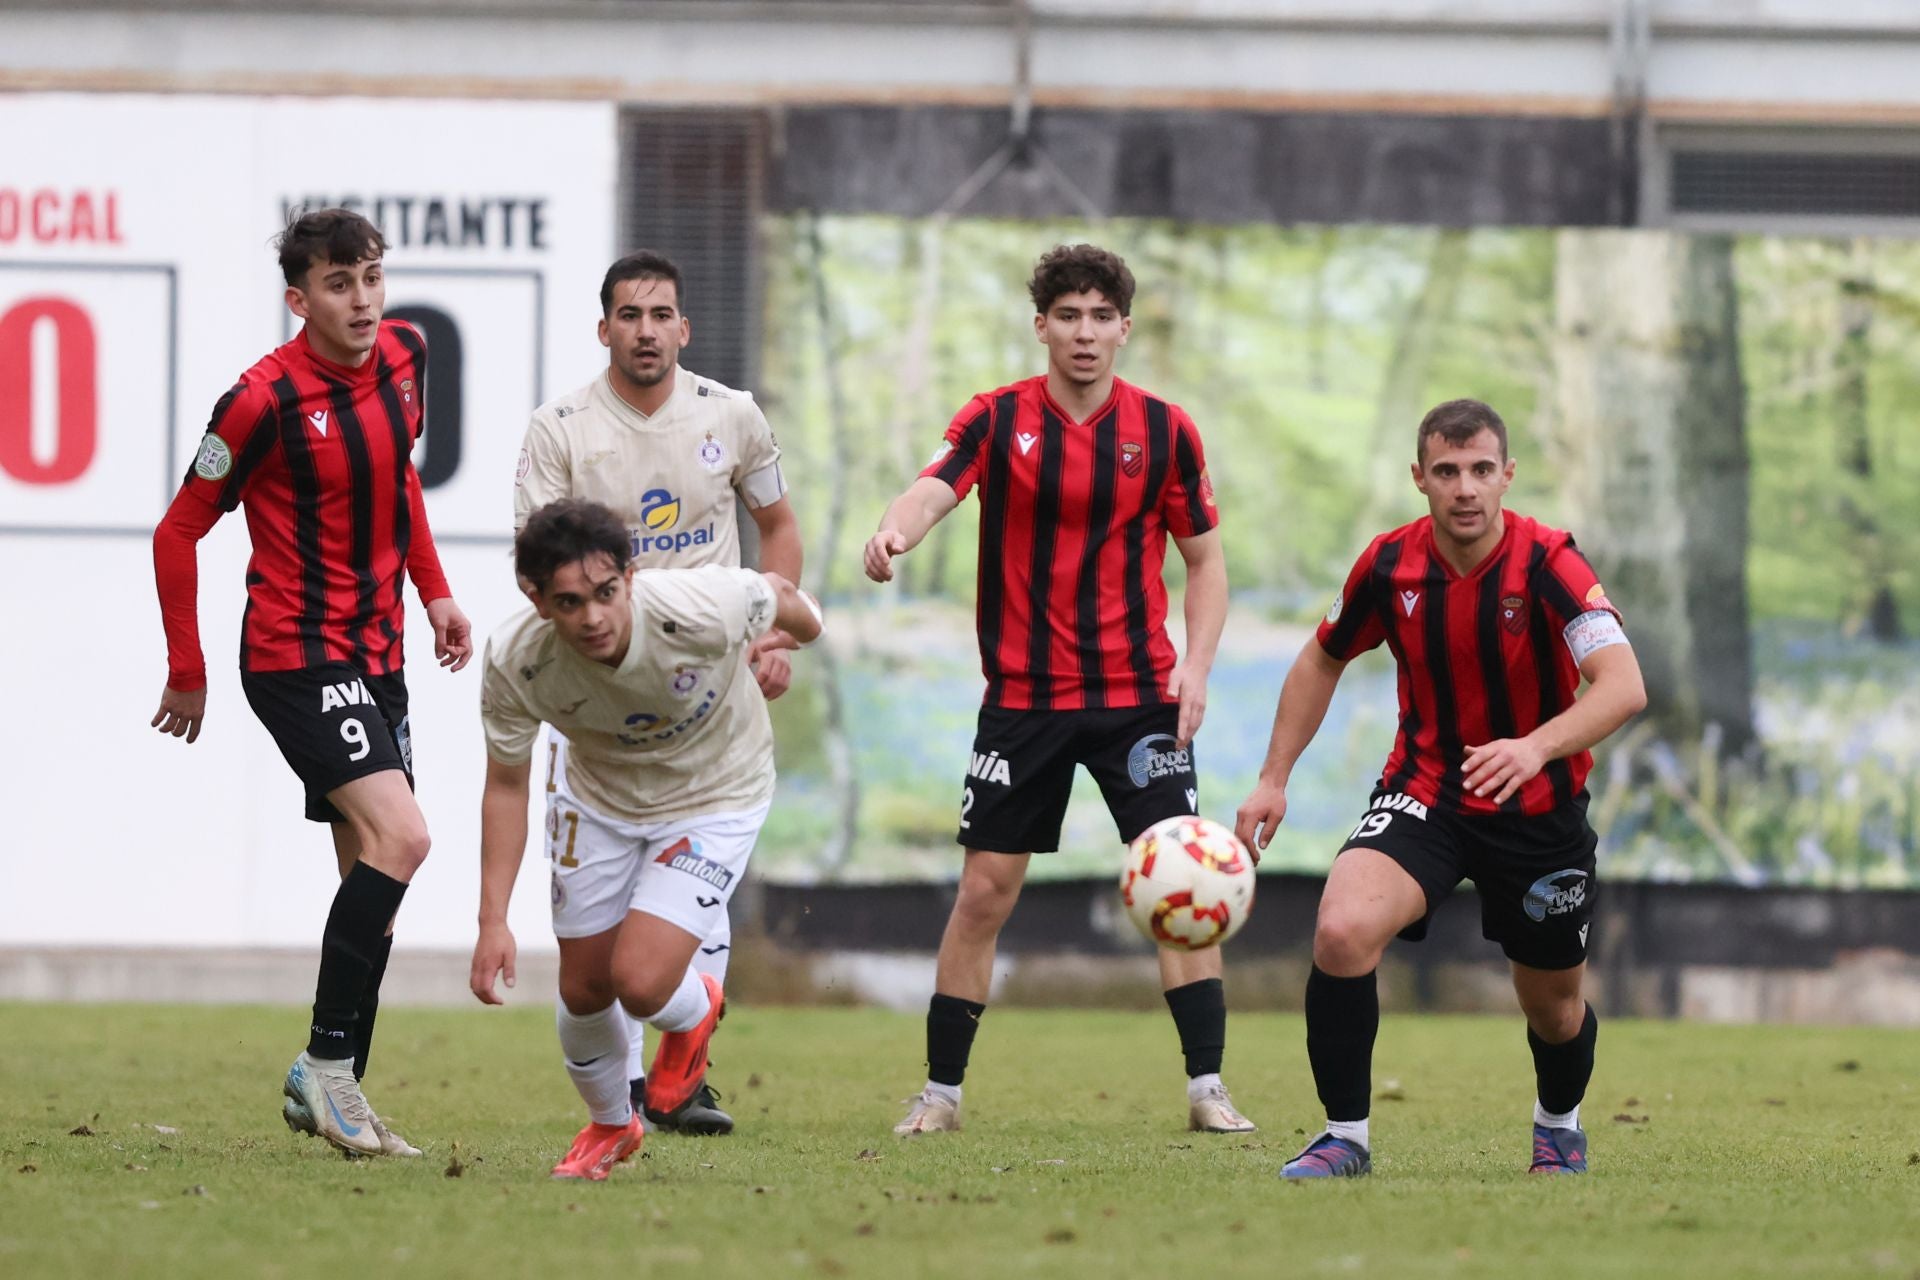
{"type": "Point", "coordinates": [1188, 883]}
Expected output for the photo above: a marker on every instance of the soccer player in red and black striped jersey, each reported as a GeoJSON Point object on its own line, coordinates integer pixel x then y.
{"type": "Point", "coordinates": [1082, 478]}
{"type": "Point", "coordinates": [1494, 619]}
{"type": "Point", "coordinates": [314, 440]}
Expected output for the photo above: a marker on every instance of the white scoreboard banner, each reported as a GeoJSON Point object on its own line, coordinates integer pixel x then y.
{"type": "Point", "coordinates": [137, 282]}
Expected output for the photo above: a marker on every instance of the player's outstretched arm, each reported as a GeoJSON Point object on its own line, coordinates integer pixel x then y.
{"type": "Point", "coordinates": [1205, 610]}
{"type": "Point", "coordinates": [1304, 699]}
{"type": "Point", "coordinates": [781, 552]}
{"type": "Point", "coordinates": [503, 841]}
{"type": "Point", "coordinates": [796, 615]}
{"type": "Point", "coordinates": [176, 572]}
{"type": "Point", "coordinates": [908, 519]}
{"type": "Point", "coordinates": [1615, 694]}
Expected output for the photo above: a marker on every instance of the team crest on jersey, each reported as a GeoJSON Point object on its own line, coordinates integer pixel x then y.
{"type": "Point", "coordinates": [1132, 458]}
{"type": "Point", "coordinates": [215, 458]}
{"type": "Point", "coordinates": [711, 454]}
{"type": "Point", "coordinates": [1513, 614]}
{"type": "Point", "coordinates": [685, 680]}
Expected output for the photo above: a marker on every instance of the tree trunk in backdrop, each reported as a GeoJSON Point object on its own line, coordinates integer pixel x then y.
{"type": "Point", "coordinates": [1652, 409]}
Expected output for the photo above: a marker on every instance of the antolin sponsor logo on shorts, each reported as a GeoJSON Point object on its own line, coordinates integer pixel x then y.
{"type": "Point", "coordinates": [1156, 756]}
{"type": "Point", "coordinates": [660, 533]}
{"type": "Point", "coordinates": [1400, 804]}
{"type": "Point", "coordinates": [1556, 894]}
{"type": "Point", "coordinates": [684, 855]}
{"type": "Point", "coordinates": [990, 768]}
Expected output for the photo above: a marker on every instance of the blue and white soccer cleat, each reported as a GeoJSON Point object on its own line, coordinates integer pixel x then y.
{"type": "Point", "coordinates": [300, 1120]}
{"type": "Point", "coordinates": [332, 1100]}
{"type": "Point", "coordinates": [1558, 1150]}
{"type": "Point", "coordinates": [1328, 1157]}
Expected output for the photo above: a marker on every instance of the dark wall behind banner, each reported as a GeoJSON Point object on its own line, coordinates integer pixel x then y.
{"type": "Point", "coordinates": [1212, 166]}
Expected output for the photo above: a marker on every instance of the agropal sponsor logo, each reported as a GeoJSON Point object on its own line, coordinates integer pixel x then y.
{"type": "Point", "coordinates": [684, 855]}
{"type": "Point", "coordinates": [1556, 894]}
{"type": "Point", "coordinates": [1157, 756]}
{"type": "Point", "coordinates": [660, 533]}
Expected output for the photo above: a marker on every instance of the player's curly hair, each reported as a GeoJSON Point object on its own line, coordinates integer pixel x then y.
{"type": "Point", "coordinates": [1077, 268]}
{"type": "Point", "coordinates": [567, 532]}
{"type": "Point", "coordinates": [326, 235]}
{"type": "Point", "coordinates": [1458, 421]}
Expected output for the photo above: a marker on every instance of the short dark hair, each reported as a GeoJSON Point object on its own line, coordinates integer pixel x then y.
{"type": "Point", "coordinates": [567, 532]}
{"type": "Point", "coordinates": [326, 235]}
{"type": "Point", "coordinates": [644, 265]}
{"type": "Point", "coordinates": [1076, 268]}
{"type": "Point", "coordinates": [1458, 421]}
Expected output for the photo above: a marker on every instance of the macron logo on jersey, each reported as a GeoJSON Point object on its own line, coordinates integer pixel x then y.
{"type": "Point", "coordinates": [319, 421]}
{"type": "Point", "coordinates": [1027, 440]}
{"type": "Point", "coordinates": [353, 693]}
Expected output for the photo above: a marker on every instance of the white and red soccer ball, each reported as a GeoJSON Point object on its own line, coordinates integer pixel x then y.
{"type": "Point", "coordinates": [1188, 883]}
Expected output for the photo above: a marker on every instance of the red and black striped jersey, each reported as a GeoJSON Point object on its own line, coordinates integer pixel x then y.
{"type": "Point", "coordinates": [1073, 535]}
{"type": "Point", "coordinates": [1482, 656]}
{"type": "Point", "coordinates": [318, 454]}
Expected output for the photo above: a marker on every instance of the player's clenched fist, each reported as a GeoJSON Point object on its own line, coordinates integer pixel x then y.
{"type": "Point", "coordinates": [882, 547]}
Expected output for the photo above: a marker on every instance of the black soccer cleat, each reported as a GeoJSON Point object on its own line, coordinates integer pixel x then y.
{"type": "Point", "coordinates": [700, 1114]}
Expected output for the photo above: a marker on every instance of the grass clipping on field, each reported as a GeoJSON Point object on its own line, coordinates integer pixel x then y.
{"type": "Point", "coordinates": [147, 1141]}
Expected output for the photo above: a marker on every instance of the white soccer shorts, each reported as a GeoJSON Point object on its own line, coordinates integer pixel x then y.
{"type": "Point", "coordinates": [683, 871]}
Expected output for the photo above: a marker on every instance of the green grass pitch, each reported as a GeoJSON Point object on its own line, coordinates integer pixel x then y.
{"type": "Point", "coordinates": [146, 1140]}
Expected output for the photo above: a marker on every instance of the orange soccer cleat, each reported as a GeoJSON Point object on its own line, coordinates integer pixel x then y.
{"type": "Point", "coordinates": [599, 1147]}
{"type": "Point", "coordinates": [680, 1063]}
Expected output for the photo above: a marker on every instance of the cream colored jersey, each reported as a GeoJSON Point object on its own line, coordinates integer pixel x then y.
{"type": "Point", "coordinates": [672, 476]}
{"type": "Point", "coordinates": [678, 729]}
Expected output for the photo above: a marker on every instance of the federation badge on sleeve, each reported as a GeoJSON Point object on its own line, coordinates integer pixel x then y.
{"type": "Point", "coordinates": [1339, 603]}
{"type": "Point", "coordinates": [215, 458]}
{"type": "Point", "coordinates": [1206, 488]}
{"type": "Point", "coordinates": [940, 454]}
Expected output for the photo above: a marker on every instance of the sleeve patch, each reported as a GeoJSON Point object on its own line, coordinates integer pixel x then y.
{"type": "Point", "coordinates": [1591, 632]}
{"type": "Point", "coordinates": [940, 454]}
{"type": "Point", "coordinates": [1339, 603]}
{"type": "Point", "coordinates": [215, 458]}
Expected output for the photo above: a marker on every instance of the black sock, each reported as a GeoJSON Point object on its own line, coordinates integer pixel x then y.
{"type": "Point", "coordinates": [951, 1023]}
{"type": "Point", "coordinates": [1200, 1013]}
{"type": "Point", "coordinates": [356, 927]}
{"type": "Point", "coordinates": [370, 1009]}
{"type": "Point", "coordinates": [1562, 1070]}
{"type": "Point", "coordinates": [1343, 1017]}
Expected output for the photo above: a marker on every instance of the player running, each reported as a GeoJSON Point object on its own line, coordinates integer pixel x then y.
{"type": "Point", "coordinates": [1493, 619]}
{"type": "Point", "coordinates": [1082, 478]}
{"type": "Point", "coordinates": [314, 440]}
{"type": "Point", "coordinates": [670, 778]}
{"type": "Point", "coordinates": [675, 456]}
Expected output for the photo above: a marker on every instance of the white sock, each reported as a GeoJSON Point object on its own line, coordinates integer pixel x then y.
{"type": "Point", "coordinates": [712, 955]}
{"type": "Point", "coordinates": [595, 1048]}
{"type": "Point", "coordinates": [1199, 1086]}
{"type": "Point", "coordinates": [636, 1043]}
{"type": "Point", "coordinates": [950, 1092]}
{"type": "Point", "coordinates": [1548, 1119]}
{"type": "Point", "coordinates": [1354, 1131]}
{"type": "Point", "coordinates": [688, 1005]}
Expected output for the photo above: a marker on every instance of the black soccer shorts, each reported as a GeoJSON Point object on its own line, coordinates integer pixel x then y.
{"type": "Point", "coordinates": [333, 724]}
{"type": "Point", "coordinates": [1020, 774]}
{"type": "Point", "coordinates": [1534, 874]}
